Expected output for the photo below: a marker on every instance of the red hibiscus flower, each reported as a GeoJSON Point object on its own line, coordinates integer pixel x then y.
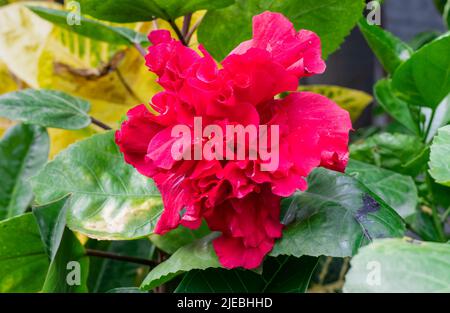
{"type": "Point", "coordinates": [235, 197]}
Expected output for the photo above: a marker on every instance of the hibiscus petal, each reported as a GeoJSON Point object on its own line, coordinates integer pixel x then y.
{"type": "Point", "coordinates": [134, 137]}
{"type": "Point", "coordinates": [299, 53]}
{"type": "Point", "coordinates": [319, 131]}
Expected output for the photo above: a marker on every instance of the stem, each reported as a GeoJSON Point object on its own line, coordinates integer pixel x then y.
{"type": "Point", "coordinates": [161, 256]}
{"type": "Point", "coordinates": [427, 132]}
{"type": "Point", "coordinates": [118, 257]}
{"type": "Point", "coordinates": [435, 214]}
{"type": "Point", "coordinates": [140, 49]}
{"type": "Point", "coordinates": [193, 29]}
{"type": "Point", "coordinates": [100, 124]}
{"type": "Point", "coordinates": [186, 24]}
{"type": "Point", "coordinates": [178, 32]}
{"type": "Point", "coordinates": [445, 215]}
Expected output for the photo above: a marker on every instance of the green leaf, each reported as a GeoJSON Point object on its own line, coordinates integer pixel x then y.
{"type": "Point", "coordinates": [110, 199]}
{"type": "Point", "coordinates": [197, 255]}
{"type": "Point", "coordinates": [398, 191]}
{"type": "Point", "coordinates": [69, 269]}
{"type": "Point", "coordinates": [51, 219]}
{"type": "Point", "coordinates": [331, 20]}
{"type": "Point", "coordinates": [127, 11]}
{"type": "Point", "coordinates": [23, 261]}
{"type": "Point", "coordinates": [63, 249]}
{"type": "Point", "coordinates": [397, 152]}
{"type": "Point", "coordinates": [395, 107]}
{"type": "Point", "coordinates": [446, 15]}
{"type": "Point", "coordinates": [424, 79]}
{"type": "Point", "coordinates": [107, 274]}
{"type": "Point", "coordinates": [334, 217]}
{"type": "Point", "coordinates": [281, 274]}
{"type": "Point", "coordinates": [126, 290]}
{"type": "Point", "coordinates": [90, 28]}
{"type": "Point", "coordinates": [23, 152]}
{"type": "Point", "coordinates": [351, 100]}
{"type": "Point", "coordinates": [45, 108]}
{"type": "Point", "coordinates": [400, 265]}
{"type": "Point", "coordinates": [178, 237]}
{"type": "Point", "coordinates": [440, 157]}
{"type": "Point", "coordinates": [390, 50]}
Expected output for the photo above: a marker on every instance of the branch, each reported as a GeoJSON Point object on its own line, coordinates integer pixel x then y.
{"type": "Point", "coordinates": [118, 257]}
{"type": "Point", "coordinates": [186, 24]}
{"type": "Point", "coordinates": [140, 49]}
{"type": "Point", "coordinates": [193, 29]}
{"type": "Point", "coordinates": [178, 32]}
{"type": "Point", "coordinates": [100, 123]}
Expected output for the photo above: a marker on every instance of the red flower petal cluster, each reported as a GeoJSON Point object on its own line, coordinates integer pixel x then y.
{"type": "Point", "coordinates": [236, 198]}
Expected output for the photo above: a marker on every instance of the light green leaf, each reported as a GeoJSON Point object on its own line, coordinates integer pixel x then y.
{"type": "Point", "coordinates": [440, 157]}
{"type": "Point", "coordinates": [110, 199]}
{"type": "Point", "coordinates": [400, 265]}
{"type": "Point", "coordinates": [91, 28]}
{"type": "Point", "coordinates": [398, 191]}
{"type": "Point", "coordinates": [23, 261]}
{"type": "Point", "coordinates": [127, 11]}
{"type": "Point", "coordinates": [281, 274]}
{"type": "Point", "coordinates": [46, 108]}
{"type": "Point", "coordinates": [424, 79]}
{"type": "Point", "coordinates": [23, 152]}
{"type": "Point", "coordinates": [395, 107]}
{"type": "Point", "coordinates": [197, 255]}
{"type": "Point", "coordinates": [334, 217]}
{"type": "Point", "coordinates": [390, 50]}
{"type": "Point", "coordinates": [331, 20]}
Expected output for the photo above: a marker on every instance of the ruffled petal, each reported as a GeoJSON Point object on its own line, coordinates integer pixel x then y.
{"type": "Point", "coordinates": [134, 137]}
{"type": "Point", "coordinates": [318, 131]}
{"type": "Point", "coordinates": [299, 53]}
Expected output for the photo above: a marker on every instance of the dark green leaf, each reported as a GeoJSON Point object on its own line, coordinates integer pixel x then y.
{"type": "Point", "coordinates": [391, 151]}
{"type": "Point", "coordinates": [23, 261]}
{"type": "Point", "coordinates": [390, 50]}
{"type": "Point", "coordinates": [90, 28]}
{"type": "Point", "coordinates": [45, 108]}
{"type": "Point", "coordinates": [281, 274]}
{"type": "Point", "coordinates": [424, 79]}
{"type": "Point", "coordinates": [23, 152]}
{"type": "Point", "coordinates": [400, 265]}
{"type": "Point", "coordinates": [69, 269]}
{"type": "Point", "coordinates": [127, 11]}
{"type": "Point", "coordinates": [178, 237]}
{"type": "Point", "coordinates": [126, 290]}
{"type": "Point", "coordinates": [197, 255]}
{"type": "Point", "coordinates": [334, 217]}
{"type": "Point", "coordinates": [398, 191]}
{"type": "Point", "coordinates": [395, 107]}
{"type": "Point", "coordinates": [107, 274]}
{"type": "Point", "coordinates": [51, 219]}
{"type": "Point", "coordinates": [422, 39]}
{"type": "Point", "coordinates": [331, 20]}
{"type": "Point", "coordinates": [440, 157]}
{"type": "Point", "coordinates": [110, 199]}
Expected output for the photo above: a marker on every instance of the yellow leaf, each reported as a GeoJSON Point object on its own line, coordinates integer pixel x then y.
{"type": "Point", "coordinates": [351, 100]}
{"type": "Point", "coordinates": [22, 35]}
